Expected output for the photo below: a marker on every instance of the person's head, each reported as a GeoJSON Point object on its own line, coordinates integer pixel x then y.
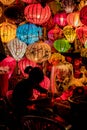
{"type": "Point", "coordinates": [36, 74]}
{"type": "Point", "coordinates": [28, 69]}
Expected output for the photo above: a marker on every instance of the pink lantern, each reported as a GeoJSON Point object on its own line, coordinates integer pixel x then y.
{"type": "Point", "coordinates": [60, 19]}
{"type": "Point", "coordinates": [36, 14]}
{"type": "Point", "coordinates": [8, 64]}
{"type": "Point", "coordinates": [23, 63]}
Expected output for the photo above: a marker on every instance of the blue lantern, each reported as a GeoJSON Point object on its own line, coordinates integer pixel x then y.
{"type": "Point", "coordinates": [28, 33]}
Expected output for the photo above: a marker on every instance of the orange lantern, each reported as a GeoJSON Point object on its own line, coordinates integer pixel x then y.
{"type": "Point", "coordinates": [74, 19]}
{"type": "Point", "coordinates": [7, 2]}
{"type": "Point", "coordinates": [36, 14]}
{"type": "Point", "coordinates": [38, 52]}
{"type": "Point", "coordinates": [7, 31]}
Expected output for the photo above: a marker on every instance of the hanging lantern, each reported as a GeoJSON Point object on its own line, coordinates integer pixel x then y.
{"type": "Point", "coordinates": [7, 2]}
{"type": "Point", "coordinates": [38, 52]}
{"type": "Point", "coordinates": [83, 15]}
{"type": "Point", "coordinates": [29, 33]}
{"type": "Point", "coordinates": [7, 31]}
{"type": "Point", "coordinates": [81, 33]}
{"type": "Point", "coordinates": [17, 48]}
{"type": "Point", "coordinates": [30, 1]}
{"type": "Point", "coordinates": [74, 19]}
{"type": "Point", "coordinates": [60, 19]}
{"type": "Point", "coordinates": [55, 33]}
{"type": "Point", "coordinates": [62, 45]}
{"type": "Point", "coordinates": [82, 4]}
{"type": "Point", "coordinates": [69, 33]}
{"type": "Point", "coordinates": [23, 63]}
{"type": "Point", "coordinates": [36, 14]}
{"type": "Point", "coordinates": [8, 63]}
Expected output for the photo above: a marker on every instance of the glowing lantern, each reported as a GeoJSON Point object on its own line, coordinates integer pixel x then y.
{"type": "Point", "coordinates": [36, 14]}
{"type": "Point", "coordinates": [55, 33]}
{"type": "Point", "coordinates": [83, 15]}
{"type": "Point", "coordinates": [62, 45]}
{"type": "Point", "coordinates": [7, 31]}
{"type": "Point", "coordinates": [29, 33]}
{"type": "Point", "coordinates": [38, 52]}
{"type": "Point", "coordinates": [74, 19]}
{"type": "Point", "coordinates": [60, 19]}
{"type": "Point", "coordinates": [81, 33]}
{"type": "Point", "coordinates": [23, 63]}
{"type": "Point", "coordinates": [17, 48]}
{"type": "Point", "coordinates": [82, 4]}
{"type": "Point", "coordinates": [8, 63]}
{"type": "Point", "coordinates": [7, 2]}
{"type": "Point", "coordinates": [69, 33]}
{"type": "Point", "coordinates": [29, 1]}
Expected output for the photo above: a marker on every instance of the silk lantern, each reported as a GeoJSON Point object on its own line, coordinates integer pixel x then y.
{"type": "Point", "coordinates": [83, 15]}
{"type": "Point", "coordinates": [17, 48]}
{"type": "Point", "coordinates": [7, 31]}
{"type": "Point", "coordinates": [7, 2]}
{"type": "Point", "coordinates": [60, 18]}
{"type": "Point", "coordinates": [38, 52]}
{"type": "Point", "coordinates": [69, 33]}
{"type": "Point", "coordinates": [62, 45]}
{"type": "Point", "coordinates": [9, 63]}
{"type": "Point", "coordinates": [36, 14]}
{"type": "Point", "coordinates": [74, 19]}
{"type": "Point", "coordinates": [23, 63]}
{"type": "Point", "coordinates": [29, 33]}
{"type": "Point", "coordinates": [30, 1]}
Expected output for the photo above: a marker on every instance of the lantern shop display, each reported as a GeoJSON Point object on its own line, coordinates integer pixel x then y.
{"type": "Point", "coordinates": [38, 52]}
{"type": "Point", "coordinates": [36, 14]}
{"type": "Point", "coordinates": [23, 63]}
{"type": "Point", "coordinates": [29, 33]}
{"type": "Point", "coordinates": [17, 48]}
{"type": "Point", "coordinates": [7, 2]}
{"type": "Point", "coordinates": [69, 33]}
{"type": "Point", "coordinates": [62, 45]}
{"type": "Point", "coordinates": [7, 31]}
{"type": "Point", "coordinates": [83, 15]}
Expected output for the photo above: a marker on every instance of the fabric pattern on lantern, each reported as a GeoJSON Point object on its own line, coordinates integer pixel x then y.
{"type": "Point", "coordinates": [7, 2]}
{"type": "Point", "coordinates": [83, 15]}
{"type": "Point", "coordinates": [36, 14]}
{"type": "Point", "coordinates": [62, 45]}
{"type": "Point", "coordinates": [29, 33]}
{"type": "Point", "coordinates": [38, 52]}
{"type": "Point", "coordinates": [7, 31]}
{"type": "Point", "coordinates": [17, 48]}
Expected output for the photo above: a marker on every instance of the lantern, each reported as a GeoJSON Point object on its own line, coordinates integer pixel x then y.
{"type": "Point", "coordinates": [7, 31]}
{"type": "Point", "coordinates": [62, 45]}
{"type": "Point", "coordinates": [83, 15]}
{"type": "Point", "coordinates": [23, 63]}
{"type": "Point", "coordinates": [60, 19]}
{"type": "Point", "coordinates": [17, 48]}
{"type": "Point", "coordinates": [29, 33]}
{"type": "Point", "coordinates": [8, 63]}
{"type": "Point", "coordinates": [74, 19]}
{"type": "Point", "coordinates": [36, 14]}
{"type": "Point", "coordinates": [7, 2]}
{"type": "Point", "coordinates": [82, 4]}
{"type": "Point", "coordinates": [69, 33]}
{"type": "Point", "coordinates": [30, 1]}
{"type": "Point", "coordinates": [38, 52]}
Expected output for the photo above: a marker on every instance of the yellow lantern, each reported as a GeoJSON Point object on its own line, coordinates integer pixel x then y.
{"type": "Point", "coordinates": [7, 2]}
{"type": "Point", "coordinates": [69, 33]}
{"type": "Point", "coordinates": [7, 31]}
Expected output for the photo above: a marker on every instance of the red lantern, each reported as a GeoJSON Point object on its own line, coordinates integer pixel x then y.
{"type": "Point", "coordinates": [36, 14]}
{"type": "Point", "coordinates": [29, 1]}
{"type": "Point", "coordinates": [83, 15]}
{"type": "Point", "coordinates": [60, 19]}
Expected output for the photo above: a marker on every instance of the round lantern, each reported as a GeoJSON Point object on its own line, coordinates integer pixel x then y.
{"type": "Point", "coordinates": [62, 45]}
{"type": "Point", "coordinates": [17, 48]}
{"type": "Point", "coordinates": [29, 33]}
{"type": "Point", "coordinates": [9, 63]}
{"type": "Point", "coordinates": [83, 15]}
{"type": "Point", "coordinates": [36, 14]}
{"type": "Point", "coordinates": [7, 2]}
{"type": "Point", "coordinates": [69, 33]}
{"type": "Point", "coordinates": [7, 31]}
{"type": "Point", "coordinates": [38, 52]}
{"type": "Point", "coordinates": [23, 63]}
{"type": "Point", "coordinates": [60, 19]}
{"type": "Point", "coordinates": [74, 19]}
{"type": "Point", "coordinates": [30, 1]}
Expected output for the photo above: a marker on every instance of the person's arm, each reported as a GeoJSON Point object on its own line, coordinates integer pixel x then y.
{"type": "Point", "coordinates": [40, 89]}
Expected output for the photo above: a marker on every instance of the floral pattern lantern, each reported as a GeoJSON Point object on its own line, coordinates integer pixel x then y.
{"type": "Point", "coordinates": [38, 52]}
{"type": "Point", "coordinates": [60, 19]}
{"type": "Point", "coordinates": [62, 45]}
{"type": "Point", "coordinates": [29, 33]}
{"type": "Point", "coordinates": [17, 48]}
{"type": "Point", "coordinates": [7, 2]}
{"type": "Point", "coordinates": [24, 62]}
{"type": "Point", "coordinates": [69, 33]}
{"type": "Point", "coordinates": [36, 14]}
{"type": "Point", "coordinates": [83, 15]}
{"type": "Point", "coordinates": [7, 31]}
